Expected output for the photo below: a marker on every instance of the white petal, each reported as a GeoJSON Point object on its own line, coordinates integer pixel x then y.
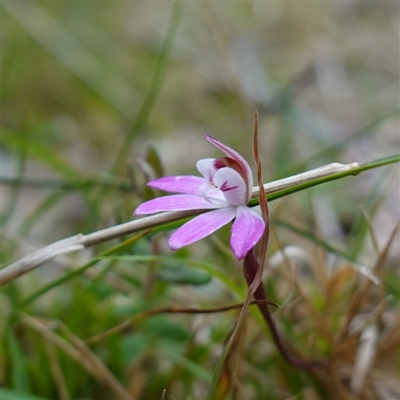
{"type": "Point", "coordinates": [214, 195]}
{"type": "Point", "coordinates": [206, 168]}
{"type": "Point", "coordinates": [232, 186]}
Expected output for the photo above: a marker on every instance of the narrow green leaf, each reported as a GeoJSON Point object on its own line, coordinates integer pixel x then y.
{"type": "Point", "coordinates": [208, 268]}
{"type": "Point", "coordinates": [178, 273]}
{"type": "Point", "coordinates": [44, 207]}
{"type": "Point", "coordinates": [10, 394]}
{"type": "Point", "coordinates": [41, 153]}
{"type": "Point", "coordinates": [154, 160]}
{"type": "Point", "coordinates": [155, 87]}
{"type": "Point", "coordinates": [69, 51]}
{"type": "Point", "coordinates": [359, 228]}
{"type": "Point", "coordinates": [8, 212]}
{"type": "Point", "coordinates": [108, 181]}
{"type": "Point", "coordinates": [19, 374]}
{"type": "Point", "coordinates": [334, 150]}
{"type": "Point", "coordinates": [165, 328]}
{"type": "Point", "coordinates": [188, 365]}
{"type": "Point", "coordinates": [319, 181]}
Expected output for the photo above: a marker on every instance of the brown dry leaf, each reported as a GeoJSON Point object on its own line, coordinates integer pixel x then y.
{"type": "Point", "coordinates": [389, 341]}
{"type": "Point", "coordinates": [346, 350]}
{"type": "Point", "coordinates": [337, 282]}
{"type": "Point", "coordinates": [136, 382]}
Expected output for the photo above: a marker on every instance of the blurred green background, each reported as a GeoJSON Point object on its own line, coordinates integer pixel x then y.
{"type": "Point", "coordinates": [89, 87]}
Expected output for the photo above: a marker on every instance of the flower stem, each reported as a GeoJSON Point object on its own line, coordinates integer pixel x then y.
{"type": "Point", "coordinates": [250, 266]}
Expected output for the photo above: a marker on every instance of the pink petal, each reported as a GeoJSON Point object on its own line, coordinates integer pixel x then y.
{"type": "Point", "coordinates": [201, 226]}
{"type": "Point", "coordinates": [247, 230]}
{"type": "Point", "coordinates": [186, 184]}
{"type": "Point", "coordinates": [232, 186]}
{"type": "Point", "coordinates": [239, 159]}
{"type": "Point", "coordinates": [175, 203]}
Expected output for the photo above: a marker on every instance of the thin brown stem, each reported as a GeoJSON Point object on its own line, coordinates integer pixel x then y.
{"type": "Point", "coordinates": [127, 324]}
{"type": "Point", "coordinates": [250, 266]}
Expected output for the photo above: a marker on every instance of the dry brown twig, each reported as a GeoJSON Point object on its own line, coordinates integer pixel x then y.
{"type": "Point", "coordinates": [80, 241]}
{"type": "Point", "coordinates": [126, 325]}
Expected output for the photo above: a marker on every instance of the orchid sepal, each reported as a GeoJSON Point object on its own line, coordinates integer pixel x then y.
{"type": "Point", "coordinates": [185, 184]}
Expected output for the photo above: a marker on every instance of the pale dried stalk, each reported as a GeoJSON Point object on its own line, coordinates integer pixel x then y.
{"type": "Point", "coordinates": [365, 357]}
{"type": "Point", "coordinates": [82, 355]}
{"type": "Point", "coordinates": [80, 241]}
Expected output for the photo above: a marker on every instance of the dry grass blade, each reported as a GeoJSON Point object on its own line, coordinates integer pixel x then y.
{"type": "Point", "coordinates": [371, 231]}
{"type": "Point", "coordinates": [357, 299]}
{"type": "Point", "coordinates": [104, 374]}
{"type": "Point", "coordinates": [262, 197]}
{"type": "Point", "coordinates": [49, 335]}
{"type": "Point", "coordinates": [56, 371]}
{"type": "Point", "coordinates": [365, 356]}
{"type": "Point", "coordinates": [390, 339]}
{"type": "Point", "coordinates": [81, 354]}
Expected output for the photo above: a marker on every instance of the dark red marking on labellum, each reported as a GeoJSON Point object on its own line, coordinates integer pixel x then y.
{"type": "Point", "coordinates": [230, 163]}
{"type": "Point", "coordinates": [224, 187]}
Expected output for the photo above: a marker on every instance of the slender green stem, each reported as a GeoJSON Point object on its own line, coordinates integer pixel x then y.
{"type": "Point", "coordinates": [354, 171]}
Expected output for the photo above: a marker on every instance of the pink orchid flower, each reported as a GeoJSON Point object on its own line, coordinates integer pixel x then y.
{"type": "Point", "coordinates": [226, 187]}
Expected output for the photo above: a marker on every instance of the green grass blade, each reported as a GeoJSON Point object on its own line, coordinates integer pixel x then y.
{"type": "Point", "coordinates": [155, 87]}
{"type": "Point", "coordinates": [12, 202]}
{"type": "Point", "coordinates": [203, 266]}
{"type": "Point", "coordinates": [67, 49]}
{"type": "Point", "coordinates": [68, 185]}
{"type": "Point", "coordinates": [334, 150]}
{"type": "Point", "coordinates": [37, 151]}
{"type": "Point", "coordinates": [44, 207]}
{"type": "Point", "coordinates": [319, 181]}
{"type": "Point", "coordinates": [359, 228]}
{"type": "Point", "coordinates": [20, 380]}
{"type": "Point", "coordinates": [193, 368]}
{"type": "Point", "coordinates": [10, 394]}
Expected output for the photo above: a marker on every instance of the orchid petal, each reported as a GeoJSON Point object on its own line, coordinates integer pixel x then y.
{"type": "Point", "coordinates": [247, 230]}
{"type": "Point", "coordinates": [239, 159]}
{"type": "Point", "coordinates": [232, 186]}
{"type": "Point", "coordinates": [186, 184]}
{"type": "Point", "coordinates": [201, 226]}
{"type": "Point", "coordinates": [176, 203]}
{"type": "Point", "coordinates": [207, 168]}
